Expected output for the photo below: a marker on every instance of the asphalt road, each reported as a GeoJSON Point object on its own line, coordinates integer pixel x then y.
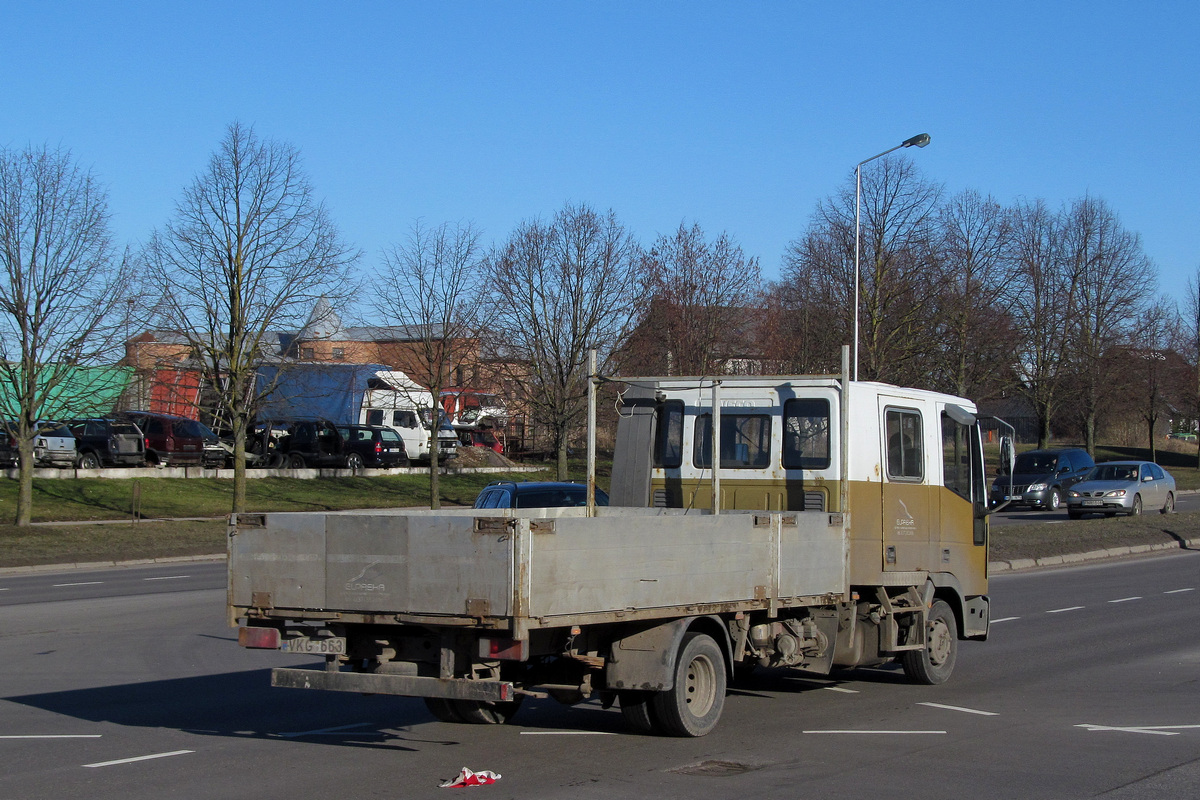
{"type": "Point", "coordinates": [128, 684]}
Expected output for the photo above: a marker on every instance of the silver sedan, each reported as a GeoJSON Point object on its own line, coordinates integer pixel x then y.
{"type": "Point", "coordinates": [1122, 487]}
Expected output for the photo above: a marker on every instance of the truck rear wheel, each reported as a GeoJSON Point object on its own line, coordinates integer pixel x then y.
{"type": "Point", "coordinates": [934, 664]}
{"type": "Point", "coordinates": [484, 712]}
{"type": "Point", "coordinates": [442, 708]}
{"type": "Point", "coordinates": [692, 706]}
{"type": "Point", "coordinates": [638, 710]}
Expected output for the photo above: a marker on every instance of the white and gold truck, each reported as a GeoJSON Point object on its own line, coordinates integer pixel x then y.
{"type": "Point", "coordinates": [851, 529]}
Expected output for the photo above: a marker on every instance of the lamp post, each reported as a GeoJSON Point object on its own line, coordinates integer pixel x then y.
{"type": "Point", "coordinates": [920, 140]}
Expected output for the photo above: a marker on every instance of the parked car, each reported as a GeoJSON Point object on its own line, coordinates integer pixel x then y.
{"type": "Point", "coordinates": [536, 494]}
{"type": "Point", "coordinates": [108, 443]}
{"type": "Point", "coordinates": [54, 446]}
{"type": "Point", "coordinates": [177, 441]}
{"type": "Point", "coordinates": [371, 446]}
{"type": "Point", "coordinates": [1041, 478]}
{"type": "Point", "coordinates": [1122, 487]}
{"type": "Point", "coordinates": [299, 443]}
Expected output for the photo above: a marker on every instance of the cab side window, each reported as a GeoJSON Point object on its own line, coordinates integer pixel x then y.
{"type": "Point", "coordinates": [905, 457]}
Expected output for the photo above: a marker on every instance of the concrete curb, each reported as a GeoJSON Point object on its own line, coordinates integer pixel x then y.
{"type": "Point", "coordinates": [1070, 559]}
{"type": "Point", "coordinates": [141, 562]}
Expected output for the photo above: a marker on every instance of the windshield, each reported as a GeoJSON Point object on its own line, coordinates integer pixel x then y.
{"type": "Point", "coordinates": [1115, 472]}
{"type": "Point", "coordinates": [1035, 463]}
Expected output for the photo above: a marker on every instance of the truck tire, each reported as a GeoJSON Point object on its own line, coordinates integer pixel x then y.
{"type": "Point", "coordinates": [692, 706]}
{"type": "Point", "coordinates": [638, 710]}
{"type": "Point", "coordinates": [295, 461]}
{"type": "Point", "coordinates": [935, 662]}
{"type": "Point", "coordinates": [354, 462]}
{"type": "Point", "coordinates": [442, 708]}
{"type": "Point", "coordinates": [484, 712]}
{"type": "Point", "coordinates": [89, 461]}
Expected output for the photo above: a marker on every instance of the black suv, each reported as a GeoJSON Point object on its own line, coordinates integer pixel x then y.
{"type": "Point", "coordinates": [536, 494]}
{"type": "Point", "coordinates": [1041, 478]}
{"type": "Point", "coordinates": [300, 443]}
{"type": "Point", "coordinates": [107, 443]}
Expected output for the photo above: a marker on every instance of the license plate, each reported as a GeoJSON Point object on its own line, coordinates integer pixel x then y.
{"type": "Point", "coordinates": [324, 646]}
{"type": "Point", "coordinates": [1093, 502]}
{"type": "Point", "coordinates": [1012, 497]}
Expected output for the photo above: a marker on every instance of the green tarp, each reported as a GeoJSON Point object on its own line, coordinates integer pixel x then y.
{"type": "Point", "coordinates": [69, 392]}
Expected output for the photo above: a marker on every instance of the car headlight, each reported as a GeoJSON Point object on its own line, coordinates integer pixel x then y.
{"type": "Point", "coordinates": [1072, 493]}
{"type": "Point", "coordinates": [1116, 493]}
{"type": "Point", "coordinates": [1038, 487]}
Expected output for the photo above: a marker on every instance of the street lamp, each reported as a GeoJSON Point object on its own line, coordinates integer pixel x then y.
{"type": "Point", "coordinates": [920, 140]}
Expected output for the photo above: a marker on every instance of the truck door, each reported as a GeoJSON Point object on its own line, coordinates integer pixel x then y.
{"type": "Point", "coordinates": [907, 510]}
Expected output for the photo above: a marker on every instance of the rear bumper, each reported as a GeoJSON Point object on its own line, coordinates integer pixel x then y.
{"type": "Point", "coordinates": [406, 685]}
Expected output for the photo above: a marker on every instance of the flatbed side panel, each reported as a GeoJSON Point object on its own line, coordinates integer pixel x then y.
{"type": "Point", "coordinates": [375, 564]}
{"type": "Point", "coordinates": [612, 564]}
{"type": "Point", "coordinates": [812, 555]}
{"type": "Point", "coordinates": [285, 560]}
{"type": "Point", "coordinates": [418, 565]}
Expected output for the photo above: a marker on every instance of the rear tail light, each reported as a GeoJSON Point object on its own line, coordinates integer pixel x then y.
{"type": "Point", "coordinates": [259, 638]}
{"type": "Point", "coordinates": [504, 649]}
{"type": "Point", "coordinates": [378, 448]}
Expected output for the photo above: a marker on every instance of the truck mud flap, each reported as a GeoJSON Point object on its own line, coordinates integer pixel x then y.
{"type": "Point", "coordinates": [407, 685]}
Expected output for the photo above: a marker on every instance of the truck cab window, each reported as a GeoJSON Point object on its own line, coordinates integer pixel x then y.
{"type": "Point", "coordinates": [668, 440]}
{"type": "Point", "coordinates": [745, 441]}
{"type": "Point", "coordinates": [956, 457]}
{"type": "Point", "coordinates": [806, 433]}
{"type": "Point", "coordinates": [905, 459]}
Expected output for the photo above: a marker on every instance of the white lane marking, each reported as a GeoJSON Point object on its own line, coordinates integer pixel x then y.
{"type": "Point", "coordinates": [4, 589]}
{"type": "Point", "coordinates": [879, 732]}
{"type": "Point", "coordinates": [960, 708]}
{"type": "Point", "coordinates": [1177, 591]}
{"type": "Point", "coordinates": [1004, 619]}
{"type": "Point", "coordinates": [52, 736]}
{"type": "Point", "coordinates": [1060, 610]}
{"type": "Point", "coordinates": [567, 733]}
{"type": "Point", "coordinates": [327, 731]}
{"type": "Point", "coordinates": [1157, 730]}
{"type": "Point", "coordinates": [840, 689]}
{"type": "Point", "coordinates": [1125, 599]}
{"type": "Point", "coordinates": [82, 583]}
{"type": "Point", "coordinates": [139, 758]}
{"type": "Point", "coordinates": [167, 578]}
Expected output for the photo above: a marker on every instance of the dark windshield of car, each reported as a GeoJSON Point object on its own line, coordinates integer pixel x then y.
{"type": "Point", "coordinates": [190, 427]}
{"type": "Point", "coordinates": [1115, 472]}
{"type": "Point", "coordinates": [1035, 463]}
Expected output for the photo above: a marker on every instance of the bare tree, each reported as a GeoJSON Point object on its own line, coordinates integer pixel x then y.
{"type": "Point", "coordinates": [1113, 279]}
{"type": "Point", "coordinates": [435, 285]}
{"type": "Point", "coordinates": [1191, 328]}
{"type": "Point", "coordinates": [570, 286]}
{"type": "Point", "coordinates": [61, 296]}
{"type": "Point", "coordinates": [975, 253]}
{"type": "Point", "coordinates": [1043, 298]}
{"type": "Point", "coordinates": [900, 277]}
{"type": "Point", "coordinates": [702, 293]}
{"type": "Point", "coordinates": [248, 252]}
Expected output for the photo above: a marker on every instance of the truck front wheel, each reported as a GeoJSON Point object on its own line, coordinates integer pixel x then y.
{"type": "Point", "coordinates": [934, 664]}
{"type": "Point", "coordinates": [693, 705]}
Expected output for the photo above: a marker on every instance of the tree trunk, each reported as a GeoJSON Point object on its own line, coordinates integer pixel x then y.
{"type": "Point", "coordinates": [239, 463]}
{"type": "Point", "coordinates": [561, 438]}
{"type": "Point", "coordinates": [24, 482]}
{"type": "Point", "coordinates": [435, 500]}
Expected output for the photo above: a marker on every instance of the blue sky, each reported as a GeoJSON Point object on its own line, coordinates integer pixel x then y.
{"type": "Point", "coordinates": [738, 116]}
